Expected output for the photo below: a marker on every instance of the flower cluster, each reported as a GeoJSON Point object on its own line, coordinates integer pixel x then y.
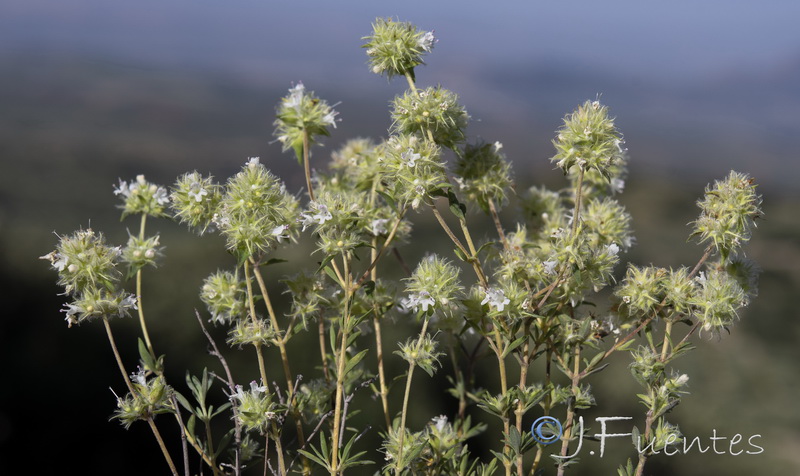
{"type": "Point", "coordinates": [433, 112]}
{"type": "Point", "coordinates": [728, 211]}
{"type": "Point", "coordinates": [396, 48]}
{"type": "Point", "coordinates": [255, 213]}
{"type": "Point", "coordinates": [483, 174]}
{"type": "Point", "coordinates": [141, 196]}
{"type": "Point", "coordinates": [590, 140]}
{"type": "Point", "coordinates": [150, 397]}
{"type": "Point", "coordinates": [195, 200]}
{"type": "Point", "coordinates": [301, 117]}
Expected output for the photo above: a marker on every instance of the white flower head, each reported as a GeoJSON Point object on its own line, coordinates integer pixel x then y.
{"type": "Point", "coordinates": [253, 162]}
{"type": "Point", "coordinates": [612, 249]}
{"type": "Point", "coordinates": [379, 226]}
{"type": "Point", "coordinates": [617, 185]}
{"type": "Point", "coordinates": [497, 146]}
{"type": "Point", "coordinates": [496, 298]}
{"type": "Point", "coordinates": [330, 118]}
{"type": "Point", "coordinates": [161, 196]}
{"type": "Point", "coordinates": [140, 377]}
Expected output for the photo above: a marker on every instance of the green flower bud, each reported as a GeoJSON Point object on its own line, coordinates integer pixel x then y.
{"type": "Point", "coordinates": [484, 174]}
{"type": "Point", "coordinates": [544, 211]}
{"type": "Point", "coordinates": [357, 160]}
{"type": "Point", "coordinates": [589, 140]}
{"type": "Point", "coordinates": [139, 253]}
{"type": "Point", "coordinates": [434, 283]}
{"type": "Point", "coordinates": [151, 397]}
{"type": "Point", "coordinates": [256, 213]}
{"type": "Point", "coordinates": [679, 290]}
{"type": "Point", "coordinates": [255, 407]}
{"type": "Point", "coordinates": [718, 300]}
{"type": "Point", "coordinates": [413, 169]}
{"type": "Point", "coordinates": [224, 294]}
{"type": "Point", "coordinates": [247, 332]}
{"type": "Point", "coordinates": [641, 291]}
{"type": "Point", "coordinates": [142, 196]}
{"type": "Point", "coordinates": [396, 48]}
{"type": "Point", "coordinates": [300, 113]}
{"type": "Point", "coordinates": [431, 110]}
{"type": "Point", "coordinates": [606, 222]}
{"type": "Point", "coordinates": [195, 200]}
{"type": "Point", "coordinates": [727, 213]}
{"type": "Point", "coordinates": [421, 353]}
{"type": "Point", "coordinates": [84, 262]}
{"type": "Point", "coordinates": [95, 303]}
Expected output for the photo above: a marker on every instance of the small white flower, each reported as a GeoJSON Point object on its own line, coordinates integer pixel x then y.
{"type": "Point", "coordinates": [307, 219]}
{"type": "Point", "coordinates": [140, 377]}
{"type": "Point", "coordinates": [550, 266]}
{"type": "Point", "coordinates": [495, 298]}
{"type": "Point", "coordinates": [414, 301]}
{"type": "Point", "coordinates": [197, 192]}
{"type": "Point", "coordinates": [130, 302]}
{"type": "Point", "coordinates": [253, 162]}
{"type": "Point", "coordinates": [617, 185]}
{"type": "Point", "coordinates": [410, 158]}
{"type": "Point", "coordinates": [701, 278]}
{"type": "Point", "coordinates": [497, 146]}
{"type": "Point", "coordinates": [161, 196]}
{"type": "Point", "coordinates": [612, 249]}
{"type": "Point", "coordinates": [626, 299]}
{"type": "Point", "coordinates": [122, 189]}
{"type": "Point", "coordinates": [280, 232]}
{"type": "Point", "coordinates": [295, 98]}
{"type": "Point", "coordinates": [255, 388]}
{"type": "Point", "coordinates": [427, 41]}
{"type": "Point", "coordinates": [439, 422]}
{"type": "Point", "coordinates": [681, 380]}
{"type": "Point", "coordinates": [330, 118]}
{"type": "Point", "coordinates": [379, 226]}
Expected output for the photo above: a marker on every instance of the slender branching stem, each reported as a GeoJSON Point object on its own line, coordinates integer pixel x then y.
{"type": "Point", "coordinates": [569, 424]}
{"type": "Point", "coordinates": [498, 225]}
{"type": "Point", "coordinates": [133, 391]}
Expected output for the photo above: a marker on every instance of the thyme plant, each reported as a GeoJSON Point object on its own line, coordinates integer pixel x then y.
{"type": "Point", "coordinates": [530, 300]}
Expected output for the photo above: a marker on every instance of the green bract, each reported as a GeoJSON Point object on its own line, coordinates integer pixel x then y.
{"type": "Point", "coordinates": [484, 174]}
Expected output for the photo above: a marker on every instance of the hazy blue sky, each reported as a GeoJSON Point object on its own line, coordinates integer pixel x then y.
{"type": "Point", "coordinates": [672, 39]}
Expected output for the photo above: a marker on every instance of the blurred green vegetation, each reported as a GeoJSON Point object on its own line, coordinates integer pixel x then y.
{"type": "Point", "coordinates": [70, 127]}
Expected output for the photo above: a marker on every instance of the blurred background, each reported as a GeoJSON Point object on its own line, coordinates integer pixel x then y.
{"type": "Point", "coordinates": [92, 91]}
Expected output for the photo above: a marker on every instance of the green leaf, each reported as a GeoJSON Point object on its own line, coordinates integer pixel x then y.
{"type": "Point", "coordinates": [147, 358]}
{"type": "Point", "coordinates": [514, 345]}
{"type": "Point", "coordinates": [460, 255]}
{"type": "Point", "coordinates": [456, 208]}
{"type": "Point", "coordinates": [369, 287]}
{"type": "Point", "coordinates": [354, 361]}
{"type": "Point", "coordinates": [184, 402]}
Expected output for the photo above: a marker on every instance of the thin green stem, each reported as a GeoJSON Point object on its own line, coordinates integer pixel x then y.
{"type": "Point", "coordinates": [133, 391]}
{"type": "Point", "coordinates": [307, 164]}
{"type": "Point", "coordinates": [411, 366]}
{"type": "Point", "coordinates": [341, 359]}
{"type": "Point", "coordinates": [410, 79]}
{"type": "Point", "coordinates": [251, 303]}
{"type": "Point", "coordinates": [139, 305]}
{"type": "Point", "coordinates": [570, 421]}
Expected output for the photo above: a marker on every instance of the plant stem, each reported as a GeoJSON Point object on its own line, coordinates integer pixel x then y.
{"type": "Point", "coordinates": [341, 358]}
{"type": "Point", "coordinates": [410, 79]}
{"type": "Point", "coordinates": [498, 225]}
{"type": "Point", "coordinates": [569, 424]}
{"type": "Point", "coordinates": [251, 302]}
{"type": "Point", "coordinates": [307, 164]}
{"type": "Point", "coordinates": [281, 340]}
{"type": "Point", "coordinates": [133, 391]}
{"type": "Point", "coordinates": [142, 322]}
{"type": "Point", "coordinates": [411, 366]}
